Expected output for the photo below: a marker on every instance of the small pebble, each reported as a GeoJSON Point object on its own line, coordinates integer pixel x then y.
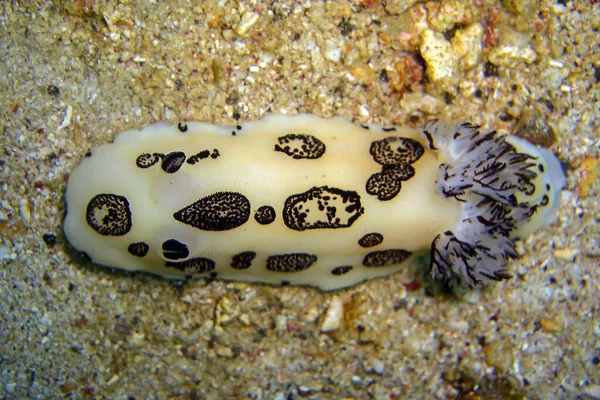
{"type": "Point", "coordinates": [335, 315]}
{"type": "Point", "coordinates": [566, 254]}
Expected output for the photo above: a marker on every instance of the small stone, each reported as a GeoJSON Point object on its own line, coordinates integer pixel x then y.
{"type": "Point", "coordinates": [442, 62]}
{"type": "Point", "coordinates": [512, 49]}
{"type": "Point", "coordinates": [224, 351]}
{"type": "Point", "coordinates": [553, 325]}
{"type": "Point", "coordinates": [375, 366]}
{"type": "Point", "coordinates": [24, 211]}
{"type": "Point", "coordinates": [335, 315]}
{"type": "Point", "coordinates": [248, 19]}
{"type": "Point", "coordinates": [467, 45]}
{"type": "Point", "coordinates": [396, 7]}
{"type": "Point", "coordinates": [588, 172]}
{"type": "Point", "coordinates": [566, 254]}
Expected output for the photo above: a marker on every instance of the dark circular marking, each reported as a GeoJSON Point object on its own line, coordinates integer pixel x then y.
{"type": "Point", "coordinates": [175, 250]}
{"type": "Point", "coordinates": [385, 258]}
{"type": "Point", "coordinates": [265, 215]}
{"type": "Point", "coordinates": [285, 283]}
{"type": "Point", "coordinates": [109, 214]}
{"type": "Point", "coordinates": [403, 172]}
{"type": "Point", "coordinates": [364, 127]}
{"type": "Point", "coordinates": [293, 262]}
{"type": "Point", "coordinates": [182, 127]}
{"type": "Point", "coordinates": [371, 239]}
{"type": "Point", "coordinates": [238, 127]}
{"type": "Point", "coordinates": [88, 154]}
{"type": "Point", "coordinates": [322, 208]}
{"type": "Point", "coordinates": [220, 211]}
{"type": "Point", "coordinates": [341, 270]}
{"type": "Point", "coordinates": [173, 161]}
{"type": "Point", "coordinates": [545, 200]}
{"type": "Point", "coordinates": [541, 167]}
{"type": "Point", "coordinates": [197, 265]}
{"type": "Point", "coordinates": [548, 187]}
{"type": "Point", "coordinates": [147, 160]}
{"type": "Point", "coordinates": [49, 239]}
{"type": "Point", "coordinates": [300, 146]}
{"type": "Point", "coordinates": [396, 150]}
{"type": "Point", "coordinates": [526, 186]}
{"type": "Point", "coordinates": [215, 154]}
{"type": "Point", "coordinates": [138, 249]}
{"type": "Point", "coordinates": [384, 185]}
{"type": "Point", "coordinates": [213, 275]}
{"type": "Point", "coordinates": [232, 133]}
{"type": "Point", "coordinates": [243, 260]}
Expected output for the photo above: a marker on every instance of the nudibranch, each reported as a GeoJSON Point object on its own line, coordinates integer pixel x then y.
{"type": "Point", "coordinates": [309, 200]}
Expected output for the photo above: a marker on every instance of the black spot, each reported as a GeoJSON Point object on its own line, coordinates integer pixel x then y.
{"type": "Point", "coordinates": [243, 260]}
{"type": "Point", "coordinates": [293, 262]}
{"type": "Point", "coordinates": [109, 214]}
{"type": "Point", "coordinates": [392, 129]}
{"type": "Point", "coordinates": [139, 249]}
{"type": "Point", "coordinates": [238, 127]}
{"type": "Point", "coordinates": [385, 258]}
{"type": "Point", "coordinates": [322, 208]}
{"type": "Point", "coordinates": [300, 146]}
{"type": "Point", "coordinates": [198, 156]}
{"type": "Point", "coordinates": [147, 160]}
{"type": "Point", "coordinates": [541, 167]}
{"type": "Point", "coordinates": [220, 211]}
{"type": "Point", "coordinates": [175, 250]}
{"type": "Point", "coordinates": [365, 127]}
{"type": "Point", "coordinates": [197, 265]}
{"type": "Point", "coordinates": [49, 239]}
{"type": "Point", "coordinates": [383, 185]}
{"type": "Point", "coordinates": [396, 150]}
{"type": "Point", "coordinates": [526, 186]}
{"type": "Point", "coordinates": [53, 91]}
{"type": "Point", "coordinates": [173, 161]}
{"type": "Point", "coordinates": [490, 69]}
{"type": "Point", "coordinates": [215, 154]}
{"type": "Point", "coordinates": [371, 239]}
{"type": "Point", "coordinates": [545, 200]}
{"type": "Point", "coordinates": [285, 283]}
{"type": "Point", "coordinates": [341, 270]}
{"type": "Point", "coordinates": [182, 127]}
{"type": "Point", "coordinates": [265, 215]}
{"type": "Point", "coordinates": [345, 27]}
{"type": "Point", "coordinates": [383, 76]}
{"type": "Point", "coordinates": [88, 154]}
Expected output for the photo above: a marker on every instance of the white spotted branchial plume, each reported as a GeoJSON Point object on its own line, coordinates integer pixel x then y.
{"type": "Point", "coordinates": [310, 200]}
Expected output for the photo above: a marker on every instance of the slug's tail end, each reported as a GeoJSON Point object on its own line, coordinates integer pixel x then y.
{"type": "Point", "coordinates": [508, 187]}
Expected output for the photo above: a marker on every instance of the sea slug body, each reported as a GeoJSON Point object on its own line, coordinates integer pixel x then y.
{"type": "Point", "coordinates": [309, 200]}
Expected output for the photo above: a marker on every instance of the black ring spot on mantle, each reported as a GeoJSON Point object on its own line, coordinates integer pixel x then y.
{"type": "Point", "coordinates": [109, 214]}
{"type": "Point", "coordinates": [300, 146]}
{"type": "Point", "coordinates": [322, 208]}
{"type": "Point", "coordinates": [220, 211]}
{"type": "Point", "coordinates": [175, 250]}
{"type": "Point", "coordinates": [385, 258]}
{"type": "Point", "coordinates": [138, 249]}
{"type": "Point", "coordinates": [265, 215]}
{"type": "Point", "coordinates": [396, 150]}
{"type": "Point", "coordinates": [147, 160]}
{"type": "Point", "coordinates": [341, 270]}
{"type": "Point", "coordinates": [370, 239]}
{"type": "Point", "coordinates": [196, 265]}
{"type": "Point", "coordinates": [293, 262]}
{"type": "Point", "coordinates": [173, 161]}
{"type": "Point", "coordinates": [243, 260]}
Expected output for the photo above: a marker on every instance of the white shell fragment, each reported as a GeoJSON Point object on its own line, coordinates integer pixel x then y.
{"type": "Point", "coordinates": [309, 200]}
